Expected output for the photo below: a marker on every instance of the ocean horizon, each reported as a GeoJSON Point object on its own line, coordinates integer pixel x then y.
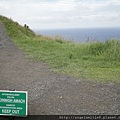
{"type": "Point", "coordinates": [82, 34]}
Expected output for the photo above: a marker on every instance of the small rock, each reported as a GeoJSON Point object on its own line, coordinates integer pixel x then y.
{"type": "Point", "coordinates": [61, 97]}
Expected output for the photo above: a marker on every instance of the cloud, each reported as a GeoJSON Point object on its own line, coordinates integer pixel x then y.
{"type": "Point", "coordinates": [63, 13]}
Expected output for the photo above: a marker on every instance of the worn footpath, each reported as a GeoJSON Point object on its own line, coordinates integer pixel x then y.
{"type": "Point", "coordinates": [50, 93]}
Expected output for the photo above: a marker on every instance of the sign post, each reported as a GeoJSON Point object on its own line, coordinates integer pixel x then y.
{"type": "Point", "coordinates": [13, 103]}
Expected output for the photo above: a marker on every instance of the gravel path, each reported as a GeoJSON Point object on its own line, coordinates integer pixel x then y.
{"type": "Point", "coordinates": [53, 94]}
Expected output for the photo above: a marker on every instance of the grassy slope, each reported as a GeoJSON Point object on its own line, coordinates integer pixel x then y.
{"type": "Point", "coordinates": [93, 61]}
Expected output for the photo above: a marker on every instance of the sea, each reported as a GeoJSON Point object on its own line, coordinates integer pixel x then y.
{"type": "Point", "coordinates": [82, 34]}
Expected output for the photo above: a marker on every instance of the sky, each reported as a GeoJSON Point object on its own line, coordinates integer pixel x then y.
{"type": "Point", "coordinates": [54, 14]}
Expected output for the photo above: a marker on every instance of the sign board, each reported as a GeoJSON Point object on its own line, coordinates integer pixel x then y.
{"type": "Point", "coordinates": [13, 103]}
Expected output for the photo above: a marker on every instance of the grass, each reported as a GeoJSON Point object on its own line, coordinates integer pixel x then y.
{"type": "Point", "coordinates": [98, 61]}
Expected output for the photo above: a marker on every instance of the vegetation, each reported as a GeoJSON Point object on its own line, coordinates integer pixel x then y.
{"type": "Point", "coordinates": [15, 30]}
{"type": "Point", "coordinates": [94, 61]}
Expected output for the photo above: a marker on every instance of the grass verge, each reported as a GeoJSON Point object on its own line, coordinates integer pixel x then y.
{"type": "Point", "coordinates": [98, 61]}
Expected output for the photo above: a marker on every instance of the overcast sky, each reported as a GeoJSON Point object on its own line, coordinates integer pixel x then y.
{"type": "Point", "coordinates": [42, 14]}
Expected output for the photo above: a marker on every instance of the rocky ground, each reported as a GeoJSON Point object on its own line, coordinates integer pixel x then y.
{"type": "Point", "coordinates": [53, 94]}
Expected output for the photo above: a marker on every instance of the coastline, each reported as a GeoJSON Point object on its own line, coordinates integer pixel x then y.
{"type": "Point", "coordinates": [82, 35]}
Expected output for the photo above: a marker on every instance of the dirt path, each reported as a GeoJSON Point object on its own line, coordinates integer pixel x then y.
{"type": "Point", "coordinates": [53, 94]}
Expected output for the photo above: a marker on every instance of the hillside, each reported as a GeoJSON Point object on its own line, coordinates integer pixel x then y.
{"type": "Point", "coordinates": [14, 29]}
{"type": "Point", "coordinates": [94, 61]}
{"type": "Point", "coordinates": [57, 94]}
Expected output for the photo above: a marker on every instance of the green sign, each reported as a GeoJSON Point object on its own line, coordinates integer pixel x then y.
{"type": "Point", "coordinates": [13, 103]}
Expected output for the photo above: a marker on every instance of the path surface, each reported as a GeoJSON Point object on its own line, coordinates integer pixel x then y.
{"type": "Point", "coordinates": [53, 94]}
